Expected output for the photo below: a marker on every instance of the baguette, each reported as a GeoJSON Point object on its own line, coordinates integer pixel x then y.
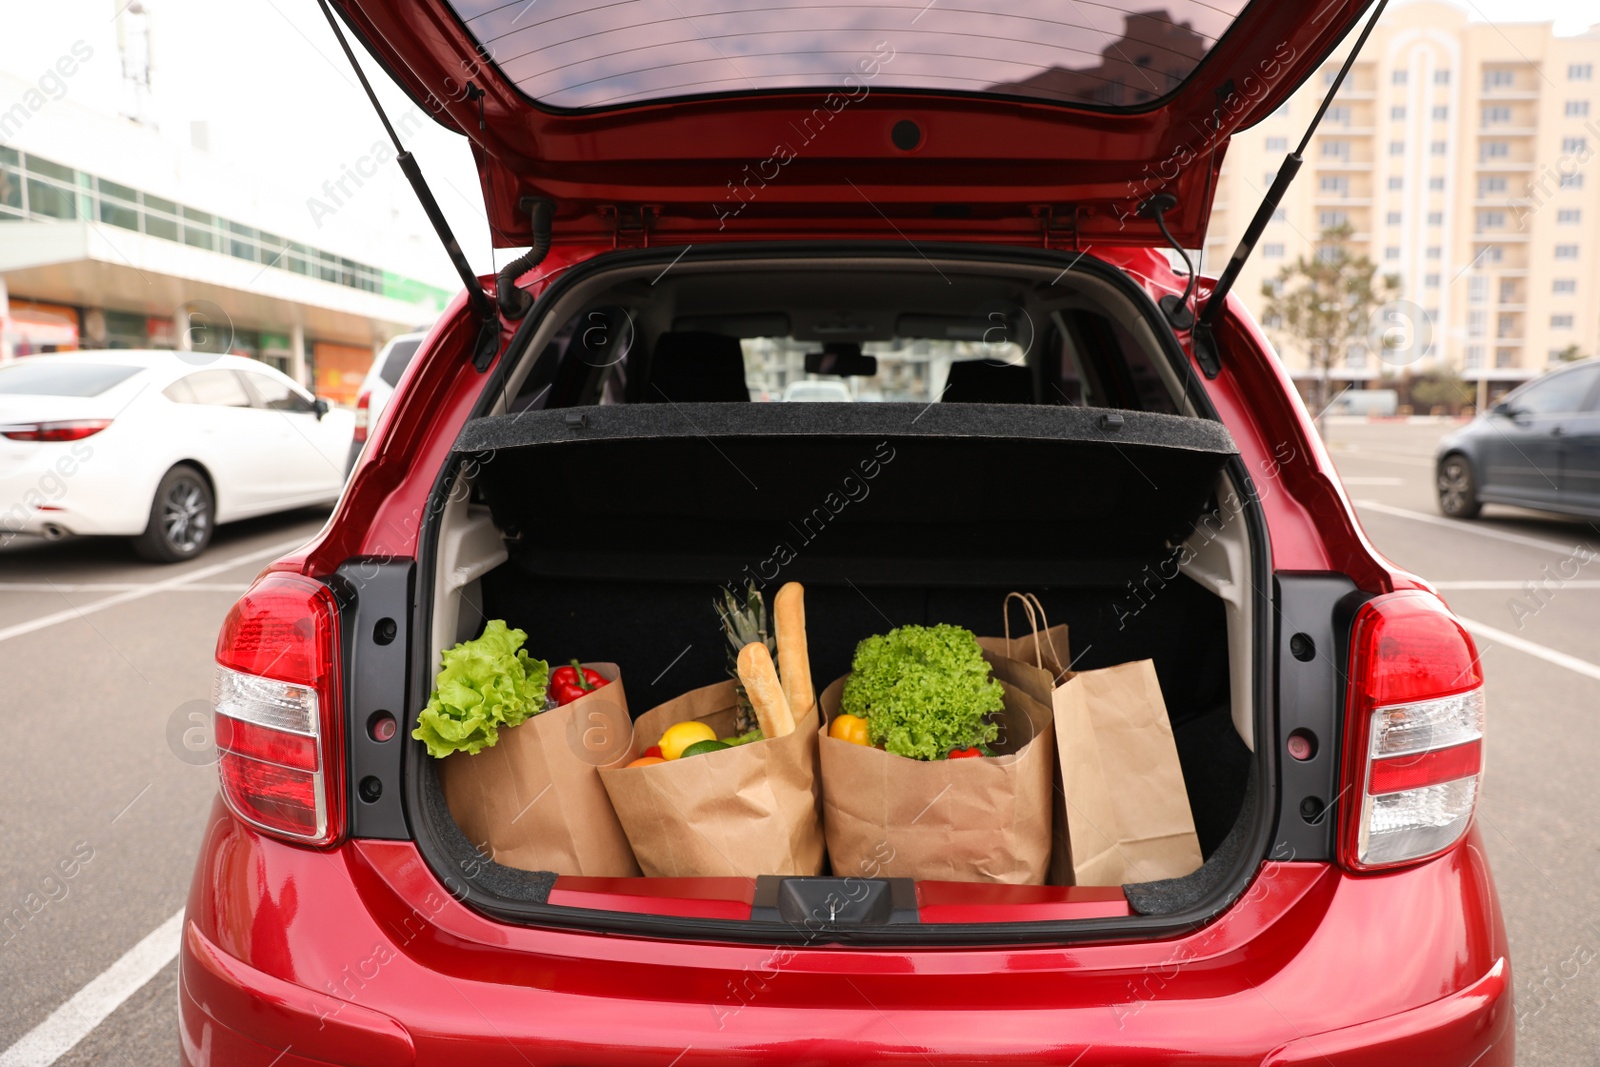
{"type": "Point", "coordinates": [760, 679]}
{"type": "Point", "coordinates": [794, 657]}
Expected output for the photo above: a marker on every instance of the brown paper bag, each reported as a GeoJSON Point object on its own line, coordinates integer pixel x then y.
{"type": "Point", "coordinates": [535, 801]}
{"type": "Point", "coordinates": [967, 820]}
{"type": "Point", "coordinates": [1120, 785]}
{"type": "Point", "coordinates": [743, 812]}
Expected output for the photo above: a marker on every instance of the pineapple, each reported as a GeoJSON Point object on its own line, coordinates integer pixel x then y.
{"type": "Point", "coordinates": [744, 620]}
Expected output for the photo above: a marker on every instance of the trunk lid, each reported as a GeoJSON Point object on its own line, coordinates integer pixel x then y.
{"type": "Point", "coordinates": [702, 119]}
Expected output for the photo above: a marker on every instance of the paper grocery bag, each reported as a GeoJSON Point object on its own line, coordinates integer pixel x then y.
{"type": "Point", "coordinates": [742, 812]}
{"type": "Point", "coordinates": [966, 820]}
{"type": "Point", "coordinates": [1120, 789]}
{"type": "Point", "coordinates": [534, 799]}
{"type": "Point", "coordinates": [1127, 808]}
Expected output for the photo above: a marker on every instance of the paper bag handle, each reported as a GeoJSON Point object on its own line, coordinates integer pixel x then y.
{"type": "Point", "coordinates": [1036, 616]}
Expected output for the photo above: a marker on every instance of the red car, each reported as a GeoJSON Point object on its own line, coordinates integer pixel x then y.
{"type": "Point", "coordinates": [962, 213]}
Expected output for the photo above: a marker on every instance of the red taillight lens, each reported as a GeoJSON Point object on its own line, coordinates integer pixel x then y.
{"type": "Point", "coordinates": [278, 718]}
{"type": "Point", "coordinates": [1414, 732]}
{"type": "Point", "coordinates": [363, 416]}
{"type": "Point", "coordinates": [67, 430]}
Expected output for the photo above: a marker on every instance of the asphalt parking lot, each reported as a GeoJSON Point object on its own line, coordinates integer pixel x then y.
{"type": "Point", "coordinates": [104, 658]}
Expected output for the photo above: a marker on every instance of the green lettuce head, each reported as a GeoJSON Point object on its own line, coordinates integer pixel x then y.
{"type": "Point", "coordinates": [924, 690]}
{"type": "Point", "coordinates": [484, 684]}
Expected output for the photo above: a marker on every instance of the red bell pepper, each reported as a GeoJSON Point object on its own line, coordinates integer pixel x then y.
{"type": "Point", "coordinates": [965, 753]}
{"type": "Point", "coordinates": [569, 683]}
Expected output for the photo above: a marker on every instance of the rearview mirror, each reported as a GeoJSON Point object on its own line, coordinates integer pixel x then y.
{"type": "Point", "coordinates": [1506, 408]}
{"type": "Point", "coordinates": [320, 406]}
{"type": "Point", "coordinates": [842, 358]}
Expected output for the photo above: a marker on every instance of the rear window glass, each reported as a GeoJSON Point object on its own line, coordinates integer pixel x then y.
{"type": "Point", "coordinates": [46, 378]}
{"type": "Point", "coordinates": [398, 360]}
{"type": "Point", "coordinates": [578, 54]}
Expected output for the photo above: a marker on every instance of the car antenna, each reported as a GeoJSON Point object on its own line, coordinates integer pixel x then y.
{"type": "Point", "coordinates": [488, 320]}
{"type": "Point", "coordinates": [1205, 348]}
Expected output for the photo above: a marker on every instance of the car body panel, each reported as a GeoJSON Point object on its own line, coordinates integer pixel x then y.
{"type": "Point", "coordinates": [823, 162]}
{"type": "Point", "coordinates": [389, 957]}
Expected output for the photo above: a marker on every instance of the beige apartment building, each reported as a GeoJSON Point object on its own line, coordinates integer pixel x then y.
{"type": "Point", "coordinates": [1466, 158]}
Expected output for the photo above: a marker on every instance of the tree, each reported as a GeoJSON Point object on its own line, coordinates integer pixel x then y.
{"type": "Point", "coordinates": [1326, 302]}
{"type": "Point", "coordinates": [1570, 354]}
{"type": "Point", "coordinates": [1443, 389]}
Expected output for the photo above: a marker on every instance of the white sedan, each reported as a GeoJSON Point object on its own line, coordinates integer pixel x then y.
{"type": "Point", "coordinates": [159, 446]}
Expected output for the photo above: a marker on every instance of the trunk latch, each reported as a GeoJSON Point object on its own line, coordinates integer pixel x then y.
{"type": "Point", "coordinates": [818, 903]}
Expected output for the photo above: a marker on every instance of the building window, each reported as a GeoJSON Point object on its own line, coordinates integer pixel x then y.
{"type": "Point", "coordinates": [1474, 357]}
{"type": "Point", "coordinates": [1489, 254]}
{"type": "Point", "coordinates": [1397, 182]}
{"type": "Point", "coordinates": [1436, 184]}
{"type": "Point", "coordinates": [1439, 148]}
{"type": "Point", "coordinates": [1498, 79]}
{"type": "Point", "coordinates": [1491, 186]}
{"type": "Point", "coordinates": [1336, 183]}
{"type": "Point", "coordinates": [1577, 109]}
{"type": "Point", "coordinates": [1505, 357]}
{"type": "Point", "coordinates": [1272, 251]}
{"type": "Point", "coordinates": [1435, 218]}
{"type": "Point", "coordinates": [1280, 214]}
{"type": "Point", "coordinates": [1491, 220]}
{"type": "Point", "coordinates": [1330, 220]}
{"type": "Point", "coordinates": [1494, 149]}
{"type": "Point", "coordinates": [1431, 281]}
{"type": "Point", "coordinates": [1355, 357]}
{"type": "Point", "coordinates": [1277, 144]}
{"type": "Point", "coordinates": [1441, 76]}
{"type": "Point", "coordinates": [1574, 145]}
{"type": "Point", "coordinates": [1475, 323]}
{"type": "Point", "coordinates": [1397, 113]}
{"type": "Point", "coordinates": [1391, 252]}
{"type": "Point", "coordinates": [1496, 116]}
{"type": "Point", "coordinates": [1566, 251]}
{"type": "Point", "coordinates": [1441, 113]}
{"type": "Point", "coordinates": [1392, 218]}
{"type": "Point", "coordinates": [1397, 148]}
{"type": "Point", "coordinates": [1435, 252]}
{"type": "Point", "coordinates": [1397, 77]}
{"type": "Point", "coordinates": [1580, 72]}
{"type": "Point", "coordinates": [1508, 291]}
{"type": "Point", "coordinates": [1506, 326]}
{"type": "Point", "coordinates": [1564, 286]}
{"type": "Point", "coordinates": [1332, 149]}
{"type": "Point", "coordinates": [1269, 177]}
{"type": "Point", "coordinates": [1569, 216]}
{"type": "Point", "coordinates": [1477, 289]}
{"type": "Point", "coordinates": [1572, 181]}
{"type": "Point", "coordinates": [1561, 322]}
{"type": "Point", "coordinates": [1338, 115]}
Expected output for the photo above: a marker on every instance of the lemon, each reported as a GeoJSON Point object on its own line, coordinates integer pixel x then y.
{"type": "Point", "coordinates": [680, 736]}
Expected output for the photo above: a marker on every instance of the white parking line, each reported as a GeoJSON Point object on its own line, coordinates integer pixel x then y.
{"type": "Point", "coordinates": [1466, 527]}
{"type": "Point", "coordinates": [149, 589]}
{"type": "Point", "coordinates": [1520, 644]}
{"type": "Point", "coordinates": [1386, 457]}
{"type": "Point", "coordinates": [104, 994]}
{"type": "Point", "coordinates": [117, 587]}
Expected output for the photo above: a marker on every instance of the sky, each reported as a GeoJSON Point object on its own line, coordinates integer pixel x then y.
{"type": "Point", "coordinates": [277, 96]}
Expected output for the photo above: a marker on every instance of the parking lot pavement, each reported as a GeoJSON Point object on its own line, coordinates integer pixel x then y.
{"type": "Point", "coordinates": [103, 654]}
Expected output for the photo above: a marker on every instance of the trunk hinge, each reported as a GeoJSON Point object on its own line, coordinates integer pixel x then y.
{"type": "Point", "coordinates": [630, 224]}
{"type": "Point", "coordinates": [1058, 225]}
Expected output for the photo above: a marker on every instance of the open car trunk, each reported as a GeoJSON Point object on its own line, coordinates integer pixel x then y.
{"type": "Point", "coordinates": [604, 530]}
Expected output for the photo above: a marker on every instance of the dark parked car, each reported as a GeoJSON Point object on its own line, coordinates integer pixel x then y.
{"type": "Point", "coordinates": [1538, 448]}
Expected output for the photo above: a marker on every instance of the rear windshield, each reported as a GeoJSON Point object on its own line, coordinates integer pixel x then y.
{"type": "Point", "coordinates": [399, 359]}
{"type": "Point", "coordinates": [579, 54]}
{"type": "Point", "coordinates": [46, 378]}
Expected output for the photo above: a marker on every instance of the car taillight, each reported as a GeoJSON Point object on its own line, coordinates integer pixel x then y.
{"type": "Point", "coordinates": [277, 700]}
{"type": "Point", "coordinates": [66, 430]}
{"type": "Point", "coordinates": [1414, 732]}
{"type": "Point", "coordinates": [363, 415]}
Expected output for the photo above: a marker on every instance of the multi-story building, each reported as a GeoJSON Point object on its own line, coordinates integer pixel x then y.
{"type": "Point", "coordinates": [114, 237]}
{"type": "Point", "coordinates": [1462, 155]}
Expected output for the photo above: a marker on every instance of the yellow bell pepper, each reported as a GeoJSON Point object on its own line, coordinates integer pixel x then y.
{"type": "Point", "coordinates": [851, 728]}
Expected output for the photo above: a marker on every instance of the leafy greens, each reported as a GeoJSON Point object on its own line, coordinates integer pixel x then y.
{"type": "Point", "coordinates": [923, 690]}
{"type": "Point", "coordinates": [483, 685]}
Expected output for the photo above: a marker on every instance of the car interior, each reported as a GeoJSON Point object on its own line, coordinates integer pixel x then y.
{"type": "Point", "coordinates": [1038, 435]}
